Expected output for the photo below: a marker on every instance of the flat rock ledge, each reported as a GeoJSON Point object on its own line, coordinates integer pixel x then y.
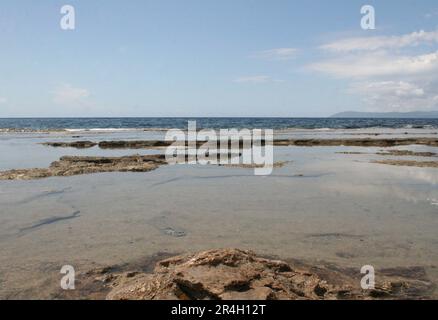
{"type": "Point", "coordinates": [233, 274]}
{"type": "Point", "coordinates": [72, 165]}
{"type": "Point", "coordinates": [409, 163]}
{"type": "Point", "coordinates": [74, 144]}
{"type": "Point", "coordinates": [146, 144]}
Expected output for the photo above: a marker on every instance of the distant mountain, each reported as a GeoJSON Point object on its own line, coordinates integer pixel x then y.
{"type": "Point", "coordinates": [405, 115]}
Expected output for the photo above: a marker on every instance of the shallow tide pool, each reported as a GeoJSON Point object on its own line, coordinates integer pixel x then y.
{"type": "Point", "coordinates": [320, 206]}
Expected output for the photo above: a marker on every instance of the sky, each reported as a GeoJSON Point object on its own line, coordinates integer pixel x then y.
{"type": "Point", "coordinates": [216, 58]}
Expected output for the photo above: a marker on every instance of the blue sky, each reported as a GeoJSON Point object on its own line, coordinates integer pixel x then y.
{"type": "Point", "coordinates": [216, 58]}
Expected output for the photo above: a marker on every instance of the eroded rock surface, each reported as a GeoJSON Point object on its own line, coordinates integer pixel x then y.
{"type": "Point", "coordinates": [72, 165]}
{"type": "Point", "coordinates": [74, 144]}
{"type": "Point", "coordinates": [275, 165]}
{"type": "Point", "coordinates": [409, 163]}
{"type": "Point", "coordinates": [397, 153]}
{"type": "Point", "coordinates": [366, 142]}
{"type": "Point", "coordinates": [222, 274]}
{"type": "Point", "coordinates": [407, 153]}
{"type": "Point", "coordinates": [133, 144]}
{"type": "Point", "coordinates": [358, 142]}
{"type": "Point", "coordinates": [235, 274]}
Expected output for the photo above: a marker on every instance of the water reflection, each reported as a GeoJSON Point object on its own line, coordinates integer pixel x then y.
{"type": "Point", "coordinates": [320, 206]}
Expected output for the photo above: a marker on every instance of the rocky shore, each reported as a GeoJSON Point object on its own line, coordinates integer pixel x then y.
{"type": "Point", "coordinates": [116, 144]}
{"type": "Point", "coordinates": [358, 142]}
{"type": "Point", "coordinates": [74, 144]}
{"type": "Point", "coordinates": [406, 153]}
{"type": "Point", "coordinates": [233, 274]}
{"type": "Point", "coordinates": [139, 144]}
{"type": "Point", "coordinates": [397, 153]}
{"type": "Point", "coordinates": [72, 165]}
{"type": "Point", "coordinates": [367, 142]}
{"type": "Point", "coordinates": [409, 163]}
{"type": "Point", "coordinates": [75, 165]}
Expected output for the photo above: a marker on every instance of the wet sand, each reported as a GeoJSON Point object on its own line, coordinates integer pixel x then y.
{"type": "Point", "coordinates": [319, 207]}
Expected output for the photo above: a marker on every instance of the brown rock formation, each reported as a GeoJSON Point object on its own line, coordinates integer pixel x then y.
{"type": "Point", "coordinates": [409, 163]}
{"type": "Point", "coordinates": [133, 144]}
{"type": "Point", "coordinates": [233, 274]}
{"type": "Point", "coordinates": [358, 142]}
{"type": "Point", "coordinates": [71, 165]}
{"type": "Point", "coordinates": [74, 144]}
{"type": "Point", "coordinates": [367, 142]}
{"type": "Point", "coordinates": [408, 153]}
{"type": "Point", "coordinates": [275, 165]}
{"type": "Point", "coordinates": [222, 274]}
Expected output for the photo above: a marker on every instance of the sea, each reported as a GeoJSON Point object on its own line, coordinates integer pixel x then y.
{"type": "Point", "coordinates": [211, 123]}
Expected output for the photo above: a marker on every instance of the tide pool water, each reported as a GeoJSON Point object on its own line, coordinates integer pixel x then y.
{"type": "Point", "coordinates": [320, 206]}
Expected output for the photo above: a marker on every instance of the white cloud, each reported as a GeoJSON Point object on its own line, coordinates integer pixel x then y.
{"type": "Point", "coordinates": [3, 100]}
{"type": "Point", "coordinates": [397, 95]}
{"type": "Point", "coordinates": [253, 79]}
{"type": "Point", "coordinates": [384, 72]}
{"type": "Point", "coordinates": [378, 64]}
{"type": "Point", "coordinates": [397, 88]}
{"type": "Point", "coordinates": [382, 42]}
{"type": "Point", "coordinates": [69, 95]}
{"type": "Point", "coordinates": [277, 54]}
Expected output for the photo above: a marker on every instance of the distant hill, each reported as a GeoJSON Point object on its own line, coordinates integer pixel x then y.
{"type": "Point", "coordinates": [405, 115]}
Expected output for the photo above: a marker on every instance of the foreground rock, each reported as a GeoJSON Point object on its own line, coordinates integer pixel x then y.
{"type": "Point", "coordinates": [71, 165]}
{"type": "Point", "coordinates": [222, 274]}
{"type": "Point", "coordinates": [235, 274]}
